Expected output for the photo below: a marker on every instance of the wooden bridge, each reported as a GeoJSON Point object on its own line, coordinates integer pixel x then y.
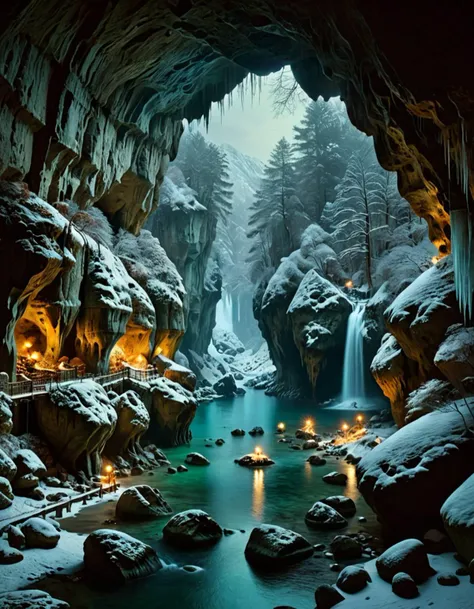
{"type": "Point", "coordinates": [41, 386]}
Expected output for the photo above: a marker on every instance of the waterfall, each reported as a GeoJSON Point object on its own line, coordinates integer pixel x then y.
{"type": "Point", "coordinates": [224, 312]}
{"type": "Point", "coordinates": [353, 372]}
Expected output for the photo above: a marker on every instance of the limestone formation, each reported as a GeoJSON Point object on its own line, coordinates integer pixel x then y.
{"type": "Point", "coordinates": [133, 420]}
{"type": "Point", "coordinates": [77, 419]}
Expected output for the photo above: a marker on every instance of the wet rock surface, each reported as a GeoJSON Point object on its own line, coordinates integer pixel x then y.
{"type": "Point", "coordinates": [141, 503]}
{"type": "Point", "coordinates": [274, 547]}
{"type": "Point", "coordinates": [325, 517]}
{"type": "Point", "coordinates": [192, 528]}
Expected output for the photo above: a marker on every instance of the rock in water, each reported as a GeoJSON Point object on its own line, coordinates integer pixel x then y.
{"type": "Point", "coordinates": [113, 557]}
{"type": "Point", "coordinates": [404, 586]}
{"type": "Point", "coordinates": [226, 386]}
{"type": "Point", "coordinates": [141, 502]}
{"type": "Point", "coordinates": [252, 460]}
{"type": "Point", "coordinates": [196, 459]}
{"type": "Point", "coordinates": [270, 546]}
{"type": "Point", "coordinates": [40, 534]}
{"type": "Point", "coordinates": [30, 599]}
{"type": "Point", "coordinates": [256, 431]}
{"type": "Point", "coordinates": [343, 546]}
{"type": "Point", "coordinates": [327, 596]}
{"type": "Point", "coordinates": [316, 460]}
{"type": "Point", "coordinates": [322, 516]}
{"type": "Point", "coordinates": [237, 432]}
{"type": "Point", "coordinates": [335, 478]}
{"type": "Point", "coordinates": [344, 505]}
{"type": "Point", "coordinates": [353, 579]}
{"type": "Point", "coordinates": [407, 556]}
{"type": "Point", "coordinates": [458, 518]}
{"type": "Point", "coordinates": [192, 528]}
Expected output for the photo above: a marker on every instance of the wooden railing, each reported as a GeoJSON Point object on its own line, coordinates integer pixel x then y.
{"type": "Point", "coordinates": [58, 508]}
{"type": "Point", "coordinates": [30, 388]}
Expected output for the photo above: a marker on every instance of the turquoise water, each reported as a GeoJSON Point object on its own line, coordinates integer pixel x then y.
{"type": "Point", "coordinates": [239, 499]}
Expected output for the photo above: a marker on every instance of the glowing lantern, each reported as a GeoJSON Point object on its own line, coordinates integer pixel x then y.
{"type": "Point", "coordinates": [27, 344]}
{"type": "Point", "coordinates": [349, 284]}
{"type": "Point", "coordinates": [309, 426]}
{"type": "Point", "coordinates": [345, 427]}
{"type": "Point", "coordinates": [435, 259]}
{"type": "Point", "coordinates": [258, 451]}
{"type": "Point", "coordinates": [281, 427]}
{"type": "Point", "coordinates": [35, 355]}
{"type": "Point", "coordinates": [109, 469]}
{"type": "Point", "coordinates": [359, 418]}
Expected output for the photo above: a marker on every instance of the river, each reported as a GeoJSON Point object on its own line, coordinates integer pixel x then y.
{"type": "Point", "coordinates": [238, 499]}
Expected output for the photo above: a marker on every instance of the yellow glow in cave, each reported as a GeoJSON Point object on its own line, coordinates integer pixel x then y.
{"type": "Point", "coordinates": [258, 496]}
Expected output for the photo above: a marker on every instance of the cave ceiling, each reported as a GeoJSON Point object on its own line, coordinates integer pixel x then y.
{"type": "Point", "coordinates": [92, 93]}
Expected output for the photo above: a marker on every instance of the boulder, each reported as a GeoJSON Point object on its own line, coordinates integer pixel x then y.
{"type": "Point", "coordinates": [182, 468]}
{"type": "Point", "coordinates": [25, 485]}
{"type": "Point", "coordinates": [301, 434]}
{"type": "Point", "coordinates": [172, 411]}
{"type": "Point", "coordinates": [437, 542]}
{"type": "Point", "coordinates": [337, 478]}
{"type": "Point", "coordinates": [316, 460]}
{"type": "Point", "coordinates": [28, 463]}
{"type": "Point", "coordinates": [133, 421]}
{"type": "Point", "coordinates": [172, 470]}
{"type": "Point", "coordinates": [327, 596]}
{"type": "Point", "coordinates": [252, 460]}
{"type": "Point", "coordinates": [226, 386]}
{"type": "Point", "coordinates": [175, 372]}
{"type": "Point", "coordinates": [192, 528]}
{"type": "Point", "coordinates": [141, 503]}
{"type": "Point", "coordinates": [77, 419]}
{"type": "Point", "coordinates": [40, 534]}
{"type": "Point", "coordinates": [196, 459]}
{"type": "Point", "coordinates": [30, 599]}
{"type": "Point", "coordinates": [345, 547]}
{"type": "Point", "coordinates": [344, 505]}
{"type": "Point", "coordinates": [6, 418]}
{"type": "Point", "coordinates": [114, 558]}
{"type": "Point", "coordinates": [56, 497]}
{"type": "Point", "coordinates": [448, 579]}
{"type": "Point", "coordinates": [7, 466]}
{"type": "Point", "coordinates": [52, 482]}
{"type": "Point", "coordinates": [9, 556]}
{"type": "Point", "coordinates": [353, 579]}
{"type": "Point", "coordinates": [409, 557]}
{"type": "Point", "coordinates": [404, 586]}
{"type": "Point", "coordinates": [458, 519]}
{"type": "Point", "coordinates": [256, 431]}
{"type": "Point", "coordinates": [310, 444]}
{"type": "Point", "coordinates": [6, 494]}
{"type": "Point", "coordinates": [16, 537]}
{"type": "Point", "coordinates": [270, 546]}
{"type": "Point", "coordinates": [220, 442]}
{"type": "Point", "coordinates": [407, 478]}
{"type": "Point", "coordinates": [322, 516]}
{"type": "Point", "coordinates": [237, 432]}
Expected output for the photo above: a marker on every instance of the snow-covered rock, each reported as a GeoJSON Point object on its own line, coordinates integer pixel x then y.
{"type": "Point", "coordinates": [7, 466]}
{"type": "Point", "coordinates": [337, 478]}
{"type": "Point", "coordinates": [270, 546]}
{"type": "Point", "coordinates": [140, 503]}
{"type": "Point", "coordinates": [404, 586]}
{"type": "Point", "coordinates": [40, 534]}
{"type": "Point", "coordinates": [172, 410]}
{"type": "Point", "coordinates": [6, 493]}
{"type": "Point", "coordinates": [9, 556]}
{"type": "Point", "coordinates": [316, 460]}
{"type": "Point", "coordinates": [428, 397]}
{"type": "Point", "coordinates": [323, 516]}
{"type": "Point", "coordinates": [175, 372]}
{"type": "Point", "coordinates": [226, 386]}
{"type": "Point", "coordinates": [407, 477]}
{"type": "Point", "coordinates": [344, 505]}
{"type": "Point", "coordinates": [196, 459]}
{"type": "Point", "coordinates": [346, 548]}
{"type": "Point", "coordinates": [114, 558]}
{"type": "Point", "coordinates": [192, 528]}
{"type": "Point", "coordinates": [455, 356]}
{"type": "Point", "coordinates": [226, 342]}
{"type": "Point", "coordinates": [6, 420]}
{"type": "Point", "coordinates": [133, 421]}
{"type": "Point", "coordinates": [352, 579]}
{"type": "Point", "coordinates": [458, 518]}
{"type": "Point", "coordinates": [30, 599]}
{"type": "Point", "coordinates": [327, 596]}
{"type": "Point", "coordinates": [408, 556]}
{"type": "Point", "coordinates": [28, 463]}
{"type": "Point", "coordinates": [77, 419]}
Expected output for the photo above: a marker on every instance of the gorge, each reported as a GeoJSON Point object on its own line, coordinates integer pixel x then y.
{"type": "Point", "coordinates": [294, 284]}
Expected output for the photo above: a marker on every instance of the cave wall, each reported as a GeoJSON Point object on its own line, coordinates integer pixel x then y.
{"type": "Point", "coordinates": [92, 93]}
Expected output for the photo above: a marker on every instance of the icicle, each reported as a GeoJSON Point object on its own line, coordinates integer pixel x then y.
{"type": "Point", "coordinates": [462, 251]}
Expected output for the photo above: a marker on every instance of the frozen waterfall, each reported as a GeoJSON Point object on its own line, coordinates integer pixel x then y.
{"type": "Point", "coordinates": [353, 372]}
{"type": "Point", "coordinates": [224, 312]}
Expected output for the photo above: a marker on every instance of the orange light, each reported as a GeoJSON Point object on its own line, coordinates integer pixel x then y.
{"type": "Point", "coordinates": [349, 283]}
{"type": "Point", "coordinates": [258, 451]}
{"type": "Point", "coordinates": [36, 356]}
{"type": "Point", "coordinates": [360, 418]}
{"type": "Point", "coordinates": [345, 427]}
{"type": "Point", "coordinates": [435, 259]}
{"type": "Point", "coordinates": [281, 426]}
{"type": "Point", "coordinates": [109, 469]}
{"type": "Point", "coordinates": [27, 344]}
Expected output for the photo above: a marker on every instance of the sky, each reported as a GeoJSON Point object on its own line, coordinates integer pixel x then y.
{"type": "Point", "coordinates": [253, 129]}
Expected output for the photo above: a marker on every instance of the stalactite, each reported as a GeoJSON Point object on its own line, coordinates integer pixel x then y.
{"type": "Point", "coordinates": [462, 249]}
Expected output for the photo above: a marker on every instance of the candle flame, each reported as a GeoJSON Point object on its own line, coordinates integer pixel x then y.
{"type": "Point", "coordinates": [349, 284]}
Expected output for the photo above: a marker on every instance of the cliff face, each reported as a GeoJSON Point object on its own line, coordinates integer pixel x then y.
{"type": "Point", "coordinates": [302, 315]}
{"type": "Point", "coordinates": [187, 232]}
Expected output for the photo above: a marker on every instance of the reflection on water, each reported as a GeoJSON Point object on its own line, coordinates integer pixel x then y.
{"type": "Point", "coordinates": [258, 497]}
{"type": "Point", "coordinates": [238, 499]}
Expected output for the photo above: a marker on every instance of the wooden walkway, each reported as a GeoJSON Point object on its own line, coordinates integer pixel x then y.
{"type": "Point", "coordinates": [59, 508]}
{"type": "Point", "coordinates": [30, 389]}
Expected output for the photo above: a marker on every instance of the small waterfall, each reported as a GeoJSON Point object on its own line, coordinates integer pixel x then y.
{"type": "Point", "coordinates": [224, 312]}
{"type": "Point", "coordinates": [353, 372]}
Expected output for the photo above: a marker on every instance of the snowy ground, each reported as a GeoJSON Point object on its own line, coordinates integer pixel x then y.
{"type": "Point", "coordinates": [378, 594]}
